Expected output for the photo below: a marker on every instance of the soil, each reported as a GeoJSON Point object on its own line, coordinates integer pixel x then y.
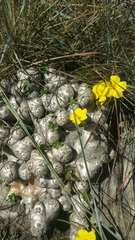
{"type": "Point", "coordinates": [15, 224]}
{"type": "Point", "coordinates": [18, 228]}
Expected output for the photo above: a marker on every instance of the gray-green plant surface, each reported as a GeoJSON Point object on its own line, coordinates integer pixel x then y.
{"type": "Point", "coordinates": [90, 41]}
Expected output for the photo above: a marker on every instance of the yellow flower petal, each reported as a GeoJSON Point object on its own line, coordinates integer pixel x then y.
{"type": "Point", "coordinates": [78, 111]}
{"type": "Point", "coordinates": [92, 235]}
{"type": "Point", "coordinates": [121, 86]}
{"type": "Point", "coordinates": [78, 115]}
{"type": "Point", "coordinates": [117, 86]}
{"type": "Point", "coordinates": [74, 119]}
{"type": "Point", "coordinates": [100, 90]}
{"type": "Point", "coordinates": [83, 114]}
{"type": "Point", "coordinates": [102, 99]}
{"type": "Point", "coordinates": [84, 235]}
{"type": "Point", "coordinates": [103, 95]}
{"type": "Point", "coordinates": [116, 94]}
{"type": "Point", "coordinates": [114, 79]}
{"type": "Point", "coordinates": [77, 238]}
{"type": "Point", "coordinates": [94, 90]}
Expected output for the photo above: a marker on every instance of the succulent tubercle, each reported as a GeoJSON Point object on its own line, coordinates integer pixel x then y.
{"type": "Point", "coordinates": [62, 117]}
{"type": "Point", "coordinates": [38, 219]}
{"type": "Point", "coordinates": [22, 149]}
{"type": "Point", "coordinates": [63, 154]}
{"type": "Point", "coordinates": [4, 133]}
{"type": "Point", "coordinates": [28, 191]}
{"type": "Point", "coordinates": [76, 220]}
{"type": "Point", "coordinates": [8, 172]}
{"type": "Point", "coordinates": [42, 214]}
{"type": "Point", "coordinates": [84, 93]}
{"type": "Point", "coordinates": [36, 107]}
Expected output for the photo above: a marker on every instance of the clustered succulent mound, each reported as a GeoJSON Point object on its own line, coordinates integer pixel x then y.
{"type": "Point", "coordinates": [46, 109]}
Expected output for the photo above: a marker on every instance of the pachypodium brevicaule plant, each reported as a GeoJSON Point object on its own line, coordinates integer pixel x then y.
{"type": "Point", "coordinates": [37, 168]}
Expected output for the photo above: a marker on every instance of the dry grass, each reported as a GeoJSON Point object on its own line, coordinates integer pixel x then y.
{"type": "Point", "coordinates": [47, 30]}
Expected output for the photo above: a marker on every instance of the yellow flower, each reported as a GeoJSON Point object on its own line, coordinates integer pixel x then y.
{"type": "Point", "coordinates": [116, 87]}
{"type": "Point", "coordinates": [107, 89]}
{"type": "Point", "coordinates": [78, 115]}
{"type": "Point", "coordinates": [101, 90]}
{"type": "Point", "coordinates": [84, 235]}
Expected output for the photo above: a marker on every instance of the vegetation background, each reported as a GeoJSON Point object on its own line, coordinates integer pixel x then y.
{"type": "Point", "coordinates": [88, 39]}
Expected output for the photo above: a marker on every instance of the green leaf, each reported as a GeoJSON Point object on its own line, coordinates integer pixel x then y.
{"type": "Point", "coordinates": [53, 126]}
{"type": "Point", "coordinates": [67, 172]}
{"type": "Point", "coordinates": [26, 88]}
{"type": "Point", "coordinates": [85, 197]}
{"type": "Point", "coordinates": [44, 69]}
{"type": "Point", "coordinates": [44, 91]}
{"type": "Point", "coordinates": [71, 100]}
{"type": "Point", "coordinates": [68, 168]}
{"type": "Point", "coordinates": [13, 197]}
{"type": "Point", "coordinates": [8, 189]}
{"type": "Point", "coordinates": [43, 147]}
{"type": "Point", "coordinates": [57, 144]}
{"type": "Point", "coordinates": [1, 126]}
{"type": "Point", "coordinates": [68, 176]}
{"type": "Point", "coordinates": [93, 183]}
